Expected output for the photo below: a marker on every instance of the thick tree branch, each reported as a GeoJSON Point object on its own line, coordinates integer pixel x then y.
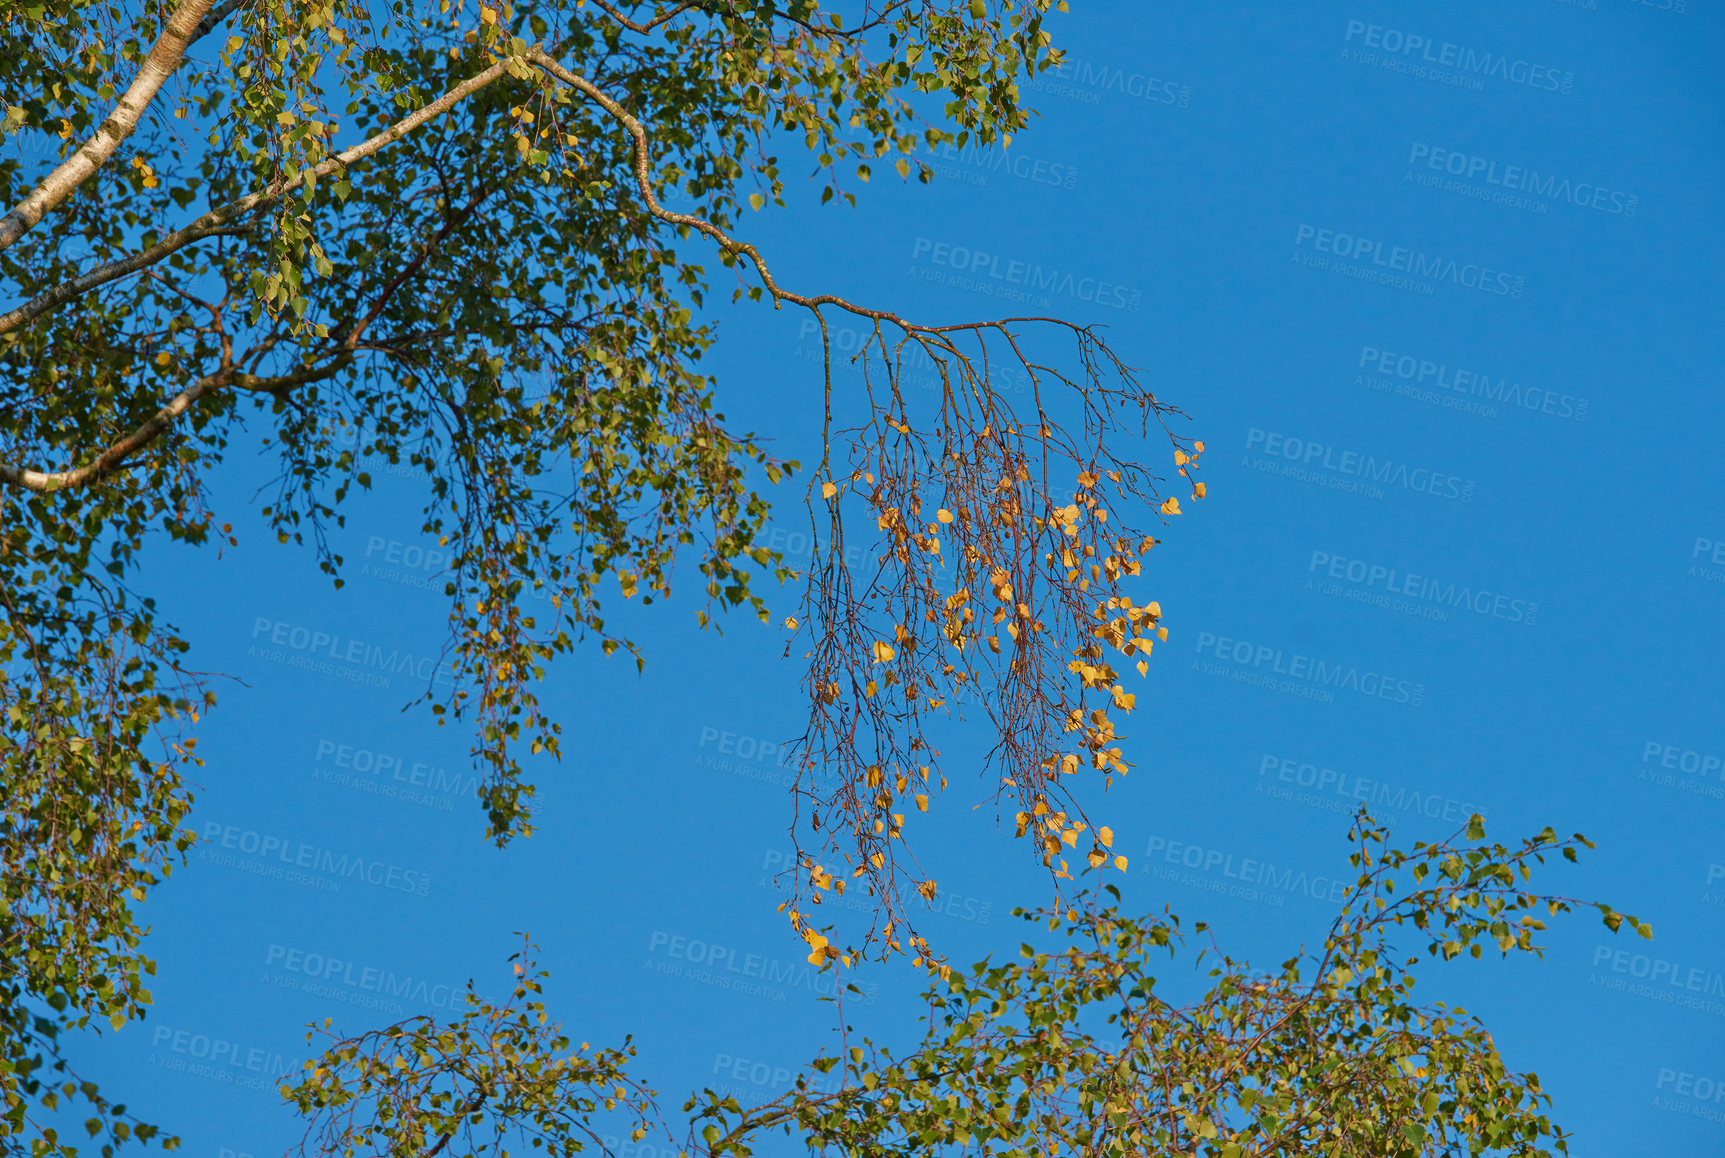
{"type": "Point", "coordinates": [164, 57]}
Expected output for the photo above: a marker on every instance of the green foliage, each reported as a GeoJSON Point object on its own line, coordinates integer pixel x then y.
{"type": "Point", "coordinates": [1075, 1052]}
{"type": "Point", "coordinates": [363, 235]}
{"type": "Point", "coordinates": [357, 235]}
{"type": "Point", "coordinates": [496, 1073]}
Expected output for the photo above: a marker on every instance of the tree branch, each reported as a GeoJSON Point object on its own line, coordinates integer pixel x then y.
{"type": "Point", "coordinates": [113, 458]}
{"type": "Point", "coordinates": [635, 26]}
{"type": "Point", "coordinates": [210, 223]}
{"type": "Point", "coordinates": [643, 181]}
{"type": "Point", "coordinates": [164, 57]}
{"type": "Point", "coordinates": [112, 271]}
{"type": "Point", "coordinates": [216, 15]}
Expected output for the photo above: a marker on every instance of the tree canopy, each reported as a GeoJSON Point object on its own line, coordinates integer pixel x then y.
{"type": "Point", "coordinates": [1059, 1052]}
{"type": "Point", "coordinates": [360, 235]}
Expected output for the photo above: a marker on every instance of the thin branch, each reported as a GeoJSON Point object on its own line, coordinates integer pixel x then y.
{"type": "Point", "coordinates": [635, 26]}
{"type": "Point", "coordinates": [102, 274]}
{"type": "Point", "coordinates": [216, 15]}
{"type": "Point", "coordinates": [116, 456]}
{"type": "Point", "coordinates": [412, 267]}
{"type": "Point", "coordinates": [207, 225]}
{"type": "Point", "coordinates": [643, 180]}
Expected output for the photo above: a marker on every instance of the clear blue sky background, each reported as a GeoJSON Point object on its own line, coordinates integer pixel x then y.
{"type": "Point", "coordinates": [1557, 433]}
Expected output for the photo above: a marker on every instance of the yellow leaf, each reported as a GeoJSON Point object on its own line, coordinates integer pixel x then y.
{"type": "Point", "coordinates": [1120, 863]}
{"type": "Point", "coordinates": [921, 802]}
{"type": "Point", "coordinates": [828, 490]}
{"type": "Point", "coordinates": [1198, 447]}
{"type": "Point", "coordinates": [1106, 836]}
{"type": "Point", "coordinates": [944, 516]}
{"type": "Point", "coordinates": [927, 889]}
{"type": "Point", "coordinates": [790, 623]}
{"type": "Point", "coordinates": [1198, 489]}
{"type": "Point", "coordinates": [883, 652]}
{"type": "Point", "coordinates": [487, 15]}
{"type": "Point", "coordinates": [1172, 506]}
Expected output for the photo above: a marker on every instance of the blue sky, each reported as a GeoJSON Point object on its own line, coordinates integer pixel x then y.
{"type": "Point", "coordinates": [1332, 234]}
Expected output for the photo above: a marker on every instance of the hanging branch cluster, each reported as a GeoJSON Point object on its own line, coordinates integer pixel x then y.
{"type": "Point", "coordinates": [1007, 547]}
